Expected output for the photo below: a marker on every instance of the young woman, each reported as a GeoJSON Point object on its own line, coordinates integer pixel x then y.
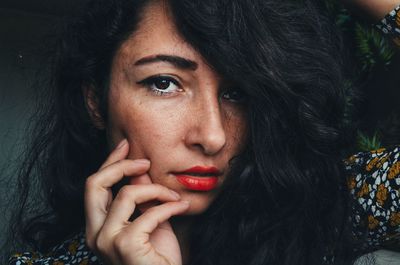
{"type": "Point", "coordinates": [192, 132]}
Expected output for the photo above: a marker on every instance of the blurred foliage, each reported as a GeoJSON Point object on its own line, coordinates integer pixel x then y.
{"type": "Point", "coordinates": [365, 143]}
{"type": "Point", "coordinates": [372, 48]}
{"type": "Point", "coordinates": [371, 88]}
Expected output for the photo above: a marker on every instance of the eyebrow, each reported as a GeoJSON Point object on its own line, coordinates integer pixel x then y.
{"type": "Point", "coordinates": [176, 61]}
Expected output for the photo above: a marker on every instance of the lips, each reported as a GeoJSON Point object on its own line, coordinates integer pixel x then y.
{"type": "Point", "coordinates": [199, 178]}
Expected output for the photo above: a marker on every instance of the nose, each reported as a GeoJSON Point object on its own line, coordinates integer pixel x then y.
{"type": "Point", "coordinates": [207, 132]}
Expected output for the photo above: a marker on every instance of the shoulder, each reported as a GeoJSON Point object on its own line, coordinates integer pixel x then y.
{"type": "Point", "coordinates": [71, 251]}
{"type": "Point", "coordinates": [383, 159]}
{"type": "Point", "coordinates": [374, 184]}
{"type": "Point", "coordinates": [382, 165]}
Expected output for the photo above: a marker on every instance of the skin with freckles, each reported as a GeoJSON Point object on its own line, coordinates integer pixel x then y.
{"type": "Point", "coordinates": [173, 109]}
{"type": "Point", "coordinates": [178, 125]}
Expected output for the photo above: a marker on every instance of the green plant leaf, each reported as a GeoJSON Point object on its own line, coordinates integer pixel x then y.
{"type": "Point", "coordinates": [372, 48]}
{"type": "Point", "coordinates": [365, 143]}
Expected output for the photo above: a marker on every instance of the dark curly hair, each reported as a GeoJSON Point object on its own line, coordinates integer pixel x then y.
{"type": "Point", "coordinates": [285, 201]}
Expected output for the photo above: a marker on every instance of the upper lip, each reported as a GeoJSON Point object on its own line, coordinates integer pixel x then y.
{"type": "Point", "coordinates": [201, 171]}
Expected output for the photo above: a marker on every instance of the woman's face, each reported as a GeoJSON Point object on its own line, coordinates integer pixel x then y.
{"type": "Point", "coordinates": [174, 110]}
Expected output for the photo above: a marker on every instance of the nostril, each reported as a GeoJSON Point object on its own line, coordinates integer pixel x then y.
{"type": "Point", "coordinates": [206, 132]}
{"type": "Point", "coordinates": [215, 142]}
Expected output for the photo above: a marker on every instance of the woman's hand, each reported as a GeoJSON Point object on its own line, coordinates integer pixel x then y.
{"type": "Point", "coordinates": [149, 239]}
{"type": "Point", "coordinates": [374, 9]}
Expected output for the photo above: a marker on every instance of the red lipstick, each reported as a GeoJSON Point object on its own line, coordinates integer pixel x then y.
{"type": "Point", "coordinates": [199, 178]}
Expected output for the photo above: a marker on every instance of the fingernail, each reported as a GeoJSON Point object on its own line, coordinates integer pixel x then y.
{"type": "Point", "coordinates": [121, 144]}
{"type": "Point", "coordinates": [142, 161]}
{"type": "Point", "coordinates": [175, 194]}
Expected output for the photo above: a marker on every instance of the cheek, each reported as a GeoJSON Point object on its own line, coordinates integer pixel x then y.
{"type": "Point", "coordinates": [150, 129]}
{"type": "Point", "coordinates": [152, 135]}
{"type": "Point", "coordinates": [145, 132]}
{"type": "Point", "coordinates": [237, 132]}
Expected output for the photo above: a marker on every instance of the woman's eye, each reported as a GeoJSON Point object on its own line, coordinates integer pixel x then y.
{"type": "Point", "coordinates": [161, 85]}
{"type": "Point", "coordinates": [234, 95]}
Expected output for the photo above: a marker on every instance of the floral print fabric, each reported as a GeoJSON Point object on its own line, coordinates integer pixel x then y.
{"type": "Point", "coordinates": [72, 252]}
{"type": "Point", "coordinates": [374, 184]}
{"type": "Point", "coordinates": [390, 25]}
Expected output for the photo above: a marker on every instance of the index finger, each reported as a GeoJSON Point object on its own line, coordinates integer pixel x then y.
{"type": "Point", "coordinates": [98, 195]}
{"type": "Point", "coordinates": [120, 152]}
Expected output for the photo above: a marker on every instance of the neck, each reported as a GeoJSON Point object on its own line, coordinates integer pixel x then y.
{"type": "Point", "coordinates": [181, 226]}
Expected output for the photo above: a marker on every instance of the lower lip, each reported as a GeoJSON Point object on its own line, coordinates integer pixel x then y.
{"type": "Point", "coordinates": [198, 183]}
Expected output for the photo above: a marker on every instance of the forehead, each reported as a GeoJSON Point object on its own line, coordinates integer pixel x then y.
{"type": "Point", "coordinates": [156, 34]}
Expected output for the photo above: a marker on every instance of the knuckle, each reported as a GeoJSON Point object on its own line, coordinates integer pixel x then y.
{"type": "Point", "coordinates": [101, 244]}
{"type": "Point", "coordinates": [151, 212]}
{"type": "Point", "coordinates": [115, 165]}
{"type": "Point", "coordinates": [120, 243]}
{"type": "Point", "coordinates": [90, 182]}
{"type": "Point", "coordinates": [119, 163]}
{"type": "Point", "coordinates": [126, 193]}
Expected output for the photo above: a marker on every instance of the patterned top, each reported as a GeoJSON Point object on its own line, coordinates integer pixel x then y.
{"type": "Point", "coordinates": [374, 183]}
{"type": "Point", "coordinates": [71, 252]}
{"type": "Point", "coordinates": [390, 25]}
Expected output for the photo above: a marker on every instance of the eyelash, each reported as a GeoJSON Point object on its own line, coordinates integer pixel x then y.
{"type": "Point", "coordinates": [241, 97]}
{"type": "Point", "coordinates": [150, 83]}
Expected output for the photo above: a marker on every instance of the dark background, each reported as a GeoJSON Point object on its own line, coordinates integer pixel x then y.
{"type": "Point", "coordinates": [24, 27]}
